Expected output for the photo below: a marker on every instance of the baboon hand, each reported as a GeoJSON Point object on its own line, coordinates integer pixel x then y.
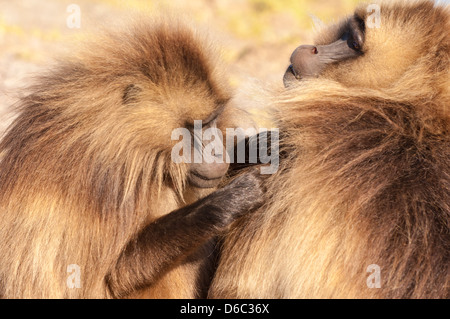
{"type": "Point", "coordinates": [243, 195]}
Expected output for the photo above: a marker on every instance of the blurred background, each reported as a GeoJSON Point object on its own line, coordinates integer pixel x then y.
{"type": "Point", "coordinates": [256, 36]}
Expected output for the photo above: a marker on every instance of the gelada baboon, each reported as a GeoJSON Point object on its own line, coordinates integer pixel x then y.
{"type": "Point", "coordinates": [360, 207]}
{"type": "Point", "coordinates": [92, 205]}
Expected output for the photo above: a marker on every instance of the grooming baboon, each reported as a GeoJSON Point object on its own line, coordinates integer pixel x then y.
{"type": "Point", "coordinates": [87, 181]}
{"type": "Point", "coordinates": [362, 198]}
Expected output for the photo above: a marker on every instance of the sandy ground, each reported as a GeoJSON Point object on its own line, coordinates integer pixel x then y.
{"type": "Point", "coordinates": [257, 36]}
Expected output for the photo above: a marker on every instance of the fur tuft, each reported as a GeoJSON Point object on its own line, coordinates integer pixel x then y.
{"type": "Point", "coordinates": [86, 164]}
{"type": "Point", "coordinates": [366, 180]}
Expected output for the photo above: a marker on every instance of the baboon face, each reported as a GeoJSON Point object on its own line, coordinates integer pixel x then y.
{"type": "Point", "coordinates": [209, 171]}
{"type": "Point", "coordinates": [201, 169]}
{"type": "Point", "coordinates": [376, 47]}
{"type": "Point", "coordinates": [179, 85]}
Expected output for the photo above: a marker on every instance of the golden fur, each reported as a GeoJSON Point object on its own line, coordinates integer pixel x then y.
{"type": "Point", "coordinates": [366, 178]}
{"type": "Point", "coordinates": [86, 164]}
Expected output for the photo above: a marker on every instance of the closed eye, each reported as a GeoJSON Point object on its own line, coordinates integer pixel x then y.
{"type": "Point", "coordinates": [211, 119]}
{"type": "Point", "coordinates": [356, 33]}
{"type": "Point", "coordinates": [354, 44]}
{"type": "Point", "coordinates": [214, 115]}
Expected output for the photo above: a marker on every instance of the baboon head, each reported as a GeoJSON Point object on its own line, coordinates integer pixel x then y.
{"type": "Point", "coordinates": [387, 45]}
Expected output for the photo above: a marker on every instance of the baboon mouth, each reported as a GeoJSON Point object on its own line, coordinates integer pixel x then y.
{"type": "Point", "coordinates": [201, 181]}
{"type": "Point", "coordinates": [290, 76]}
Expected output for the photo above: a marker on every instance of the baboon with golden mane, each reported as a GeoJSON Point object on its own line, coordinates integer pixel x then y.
{"type": "Point", "coordinates": [87, 181]}
{"type": "Point", "coordinates": [360, 207]}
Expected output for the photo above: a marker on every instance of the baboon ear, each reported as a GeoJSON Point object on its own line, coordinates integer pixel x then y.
{"type": "Point", "coordinates": [131, 94]}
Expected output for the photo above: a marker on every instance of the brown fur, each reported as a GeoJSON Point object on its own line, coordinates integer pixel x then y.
{"type": "Point", "coordinates": [86, 164]}
{"type": "Point", "coordinates": [367, 174]}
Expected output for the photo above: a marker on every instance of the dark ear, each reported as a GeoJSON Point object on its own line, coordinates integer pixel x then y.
{"type": "Point", "coordinates": [131, 94]}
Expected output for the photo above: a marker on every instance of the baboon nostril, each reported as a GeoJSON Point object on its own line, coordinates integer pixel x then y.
{"type": "Point", "coordinates": [315, 51]}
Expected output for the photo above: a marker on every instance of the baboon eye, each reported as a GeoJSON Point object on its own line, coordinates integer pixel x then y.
{"type": "Point", "coordinates": [314, 50]}
{"type": "Point", "coordinates": [355, 45]}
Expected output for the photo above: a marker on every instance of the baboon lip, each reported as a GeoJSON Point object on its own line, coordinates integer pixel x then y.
{"type": "Point", "coordinates": [290, 76]}
{"type": "Point", "coordinates": [291, 70]}
{"type": "Point", "coordinates": [204, 177]}
{"type": "Point", "coordinates": [201, 181]}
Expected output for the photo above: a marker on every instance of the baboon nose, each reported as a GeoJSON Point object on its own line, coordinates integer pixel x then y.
{"type": "Point", "coordinates": [303, 60]}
